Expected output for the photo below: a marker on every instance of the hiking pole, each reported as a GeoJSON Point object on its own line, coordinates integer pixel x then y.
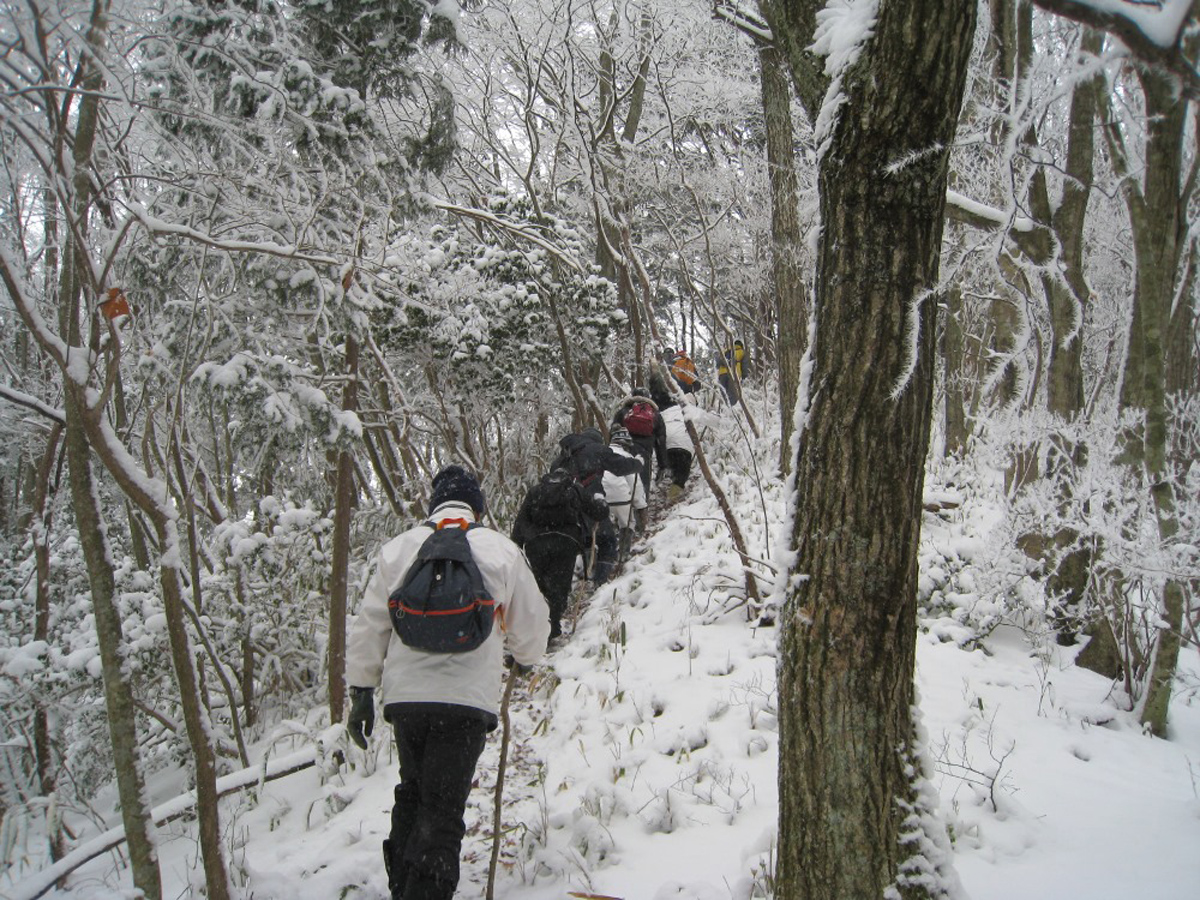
{"type": "Point", "coordinates": [504, 734]}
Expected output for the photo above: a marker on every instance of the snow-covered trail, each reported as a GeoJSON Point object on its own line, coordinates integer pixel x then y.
{"type": "Point", "coordinates": [644, 757]}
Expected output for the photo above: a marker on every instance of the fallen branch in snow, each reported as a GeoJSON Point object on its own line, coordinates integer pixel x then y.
{"type": "Point", "coordinates": [38, 884]}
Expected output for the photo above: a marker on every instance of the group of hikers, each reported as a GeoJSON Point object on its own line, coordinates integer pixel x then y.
{"type": "Point", "coordinates": [452, 603]}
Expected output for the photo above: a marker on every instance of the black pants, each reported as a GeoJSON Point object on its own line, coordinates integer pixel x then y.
{"type": "Point", "coordinates": [681, 465]}
{"type": "Point", "coordinates": [438, 745]}
{"type": "Point", "coordinates": [606, 547]}
{"type": "Point", "coordinates": [733, 392]}
{"type": "Point", "coordinates": [644, 447]}
{"type": "Point", "coordinates": [552, 558]}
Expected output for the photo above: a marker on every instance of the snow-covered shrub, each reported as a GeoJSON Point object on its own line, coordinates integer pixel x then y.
{"type": "Point", "coordinates": [971, 577]}
{"type": "Point", "coordinates": [490, 306]}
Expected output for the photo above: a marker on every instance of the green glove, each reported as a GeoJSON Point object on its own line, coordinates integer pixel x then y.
{"type": "Point", "coordinates": [361, 721]}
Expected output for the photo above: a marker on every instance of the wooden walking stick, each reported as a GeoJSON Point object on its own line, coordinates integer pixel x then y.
{"type": "Point", "coordinates": [505, 727]}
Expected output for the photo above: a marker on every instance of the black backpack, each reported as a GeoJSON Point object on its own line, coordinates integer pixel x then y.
{"type": "Point", "coordinates": [442, 605]}
{"type": "Point", "coordinates": [555, 501]}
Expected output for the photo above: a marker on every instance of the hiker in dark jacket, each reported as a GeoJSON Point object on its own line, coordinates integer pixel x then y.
{"type": "Point", "coordinates": [652, 444]}
{"type": "Point", "coordinates": [553, 526]}
{"type": "Point", "coordinates": [587, 457]}
{"type": "Point", "coordinates": [441, 705]}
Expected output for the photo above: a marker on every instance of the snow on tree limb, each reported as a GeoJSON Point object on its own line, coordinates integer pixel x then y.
{"type": "Point", "coordinates": [962, 208]}
{"type": "Point", "coordinates": [22, 399]}
{"type": "Point", "coordinates": [744, 18]}
{"type": "Point", "coordinates": [1153, 31]}
{"type": "Point", "coordinates": [40, 883]}
{"type": "Point", "coordinates": [155, 225]}
{"type": "Point", "coordinates": [482, 215]}
{"type": "Point", "coordinates": [843, 29]}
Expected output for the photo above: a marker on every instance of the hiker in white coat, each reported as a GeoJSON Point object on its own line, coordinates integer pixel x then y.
{"type": "Point", "coordinates": [625, 494]}
{"type": "Point", "coordinates": [679, 442]}
{"type": "Point", "coordinates": [441, 705]}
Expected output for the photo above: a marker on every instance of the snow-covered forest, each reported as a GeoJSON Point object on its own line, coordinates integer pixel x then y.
{"type": "Point", "coordinates": [268, 265]}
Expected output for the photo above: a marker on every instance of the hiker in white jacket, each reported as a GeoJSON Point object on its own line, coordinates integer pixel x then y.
{"type": "Point", "coordinates": [624, 494]}
{"type": "Point", "coordinates": [441, 705]}
{"type": "Point", "coordinates": [679, 443]}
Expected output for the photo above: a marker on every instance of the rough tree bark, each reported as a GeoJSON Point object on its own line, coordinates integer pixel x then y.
{"type": "Point", "coordinates": [848, 642]}
{"type": "Point", "coordinates": [788, 281]}
{"type": "Point", "coordinates": [1157, 212]}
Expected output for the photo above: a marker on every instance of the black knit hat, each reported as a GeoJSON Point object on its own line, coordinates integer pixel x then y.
{"type": "Point", "coordinates": [621, 437]}
{"type": "Point", "coordinates": [456, 483]}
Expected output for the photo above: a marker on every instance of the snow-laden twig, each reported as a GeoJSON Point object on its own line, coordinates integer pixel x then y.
{"type": "Point", "coordinates": [912, 341]}
{"type": "Point", "coordinates": [482, 215]}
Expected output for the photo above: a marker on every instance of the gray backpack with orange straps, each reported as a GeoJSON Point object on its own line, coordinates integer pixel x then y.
{"type": "Point", "coordinates": [442, 604]}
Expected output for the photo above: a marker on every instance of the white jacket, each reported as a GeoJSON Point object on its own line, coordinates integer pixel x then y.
{"type": "Point", "coordinates": [624, 493]}
{"type": "Point", "coordinates": [375, 655]}
{"type": "Point", "coordinates": [673, 419]}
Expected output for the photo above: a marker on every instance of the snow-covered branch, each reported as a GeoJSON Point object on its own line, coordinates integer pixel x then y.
{"type": "Point", "coordinates": [1153, 32]}
{"type": "Point", "coordinates": [268, 770]}
{"type": "Point", "coordinates": [11, 271]}
{"type": "Point", "coordinates": [962, 208]}
{"type": "Point", "coordinates": [22, 399]}
{"type": "Point", "coordinates": [744, 20]}
{"type": "Point", "coordinates": [159, 226]}
{"type": "Point", "coordinates": [482, 215]}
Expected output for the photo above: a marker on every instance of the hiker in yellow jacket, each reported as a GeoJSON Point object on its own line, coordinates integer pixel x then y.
{"type": "Point", "coordinates": [730, 369]}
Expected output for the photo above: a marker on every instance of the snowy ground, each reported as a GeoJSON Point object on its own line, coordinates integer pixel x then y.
{"type": "Point", "coordinates": [643, 764]}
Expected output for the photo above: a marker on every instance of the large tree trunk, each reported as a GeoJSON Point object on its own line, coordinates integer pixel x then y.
{"type": "Point", "coordinates": [118, 696]}
{"type": "Point", "coordinates": [955, 425]}
{"type": "Point", "coordinates": [153, 499]}
{"type": "Point", "coordinates": [848, 641]}
{"type": "Point", "coordinates": [1158, 229]}
{"type": "Point", "coordinates": [1068, 297]}
{"type": "Point", "coordinates": [786, 274]}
